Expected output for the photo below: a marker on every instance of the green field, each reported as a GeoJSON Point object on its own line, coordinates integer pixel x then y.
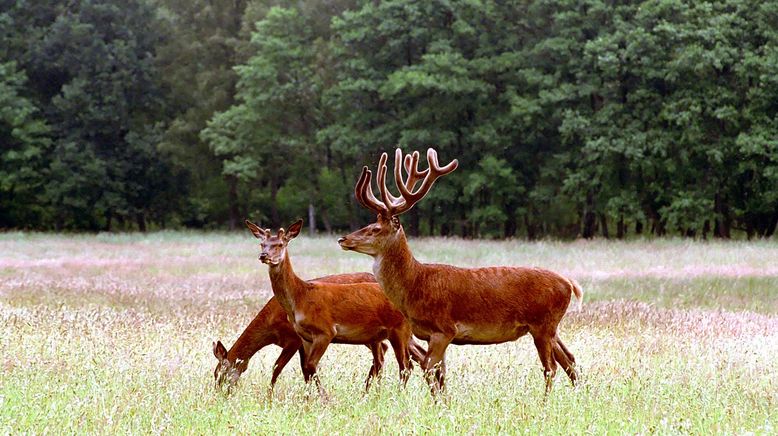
{"type": "Point", "coordinates": [112, 334]}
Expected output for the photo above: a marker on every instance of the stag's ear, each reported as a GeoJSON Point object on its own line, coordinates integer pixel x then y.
{"type": "Point", "coordinates": [294, 230]}
{"type": "Point", "coordinates": [219, 350]}
{"type": "Point", "coordinates": [395, 222]}
{"type": "Point", "coordinates": [258, 233]}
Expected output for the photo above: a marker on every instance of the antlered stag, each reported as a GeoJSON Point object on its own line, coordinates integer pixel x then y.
{"type": "Point", "coordinates": [447, 304]}
{"type": "Point", "coordinates": [323, 313]}
{"type": "Point", "coordinates": [271, 327]}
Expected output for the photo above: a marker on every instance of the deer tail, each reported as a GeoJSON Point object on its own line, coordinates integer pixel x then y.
{"type": "Point", "coordinates": [577, 291]}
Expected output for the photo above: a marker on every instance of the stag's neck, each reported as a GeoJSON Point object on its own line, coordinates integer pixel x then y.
{"type": "Point", "coordinates": [256, 336]}
{"type": "Point", "coordinates": [396, 269]}
{"type": "Point", "coordinates": [287, 287]}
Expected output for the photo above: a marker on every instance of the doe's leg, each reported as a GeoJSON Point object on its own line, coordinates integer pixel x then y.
{"type": "Point", "coordinates": [378, 349]}
{"type": "Point", "coordinates": [566, 359]}
{"type": "Point", "coordinates": [283, 359]}
{"type": "Point", "coordinates": [544, 344]}
{"type": "Point", "coordinates": [313, 355]}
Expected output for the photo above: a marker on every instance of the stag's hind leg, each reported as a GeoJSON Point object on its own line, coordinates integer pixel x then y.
{"type": "Point", "coordinates": [566, 359]}
{"type": "Point", "coordinates": [399, 343]}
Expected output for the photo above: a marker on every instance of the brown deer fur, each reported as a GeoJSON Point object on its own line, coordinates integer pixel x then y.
{"type": "Point", "coordinates": [324, 313]}
{"type": "Point", "coordinates": [271, 326]}
{"type": "Point", "coordinates": [447, 304]}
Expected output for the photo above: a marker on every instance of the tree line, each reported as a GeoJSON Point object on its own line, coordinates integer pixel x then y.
{"type": "Point", "coordinates": [570, 118]}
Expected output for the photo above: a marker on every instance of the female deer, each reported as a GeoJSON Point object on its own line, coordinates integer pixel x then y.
{"type": "Point", "coordinates": [271, 326]}
{"type": "Point", "coordinates": [447, 304]}
{"type": "Point", "coordinates": [323, 313]}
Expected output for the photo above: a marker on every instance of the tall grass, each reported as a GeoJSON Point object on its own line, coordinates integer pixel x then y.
{"type": "Point", "coordinates": [112, 334]}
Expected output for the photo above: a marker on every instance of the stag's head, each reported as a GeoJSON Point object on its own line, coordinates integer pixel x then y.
{"type": "Point", "coordinates": [227, 372]}
{"type": "Point", "coordinates": [374, 238]}
{"type": "Point", "coordinates": [273, 247]}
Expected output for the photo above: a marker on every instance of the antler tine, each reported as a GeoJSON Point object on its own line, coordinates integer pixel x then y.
{"type": "Point", "coordinates": [412, 168]}
{"type": "Point", "coordinates": [411, 165]}
{"type": "Point", "coordinates": [364, 193]}
{"type": "Point", "coordinates": [389, 199]}
{"type": "Point", "coordinates": [358, 188]}
{"type": "Point", "coordinates": [432, 158]}
{"type": "Point", "coordinates": [430, 175]}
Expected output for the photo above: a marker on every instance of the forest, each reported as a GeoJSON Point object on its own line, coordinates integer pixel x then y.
{"type": "Point", "coordinates": [569, 118]}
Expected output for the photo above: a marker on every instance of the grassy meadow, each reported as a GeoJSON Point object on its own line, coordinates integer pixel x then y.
{"type": "Point", "coordinates": [112, 334]}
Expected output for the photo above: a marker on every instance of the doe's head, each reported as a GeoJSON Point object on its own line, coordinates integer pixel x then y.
{"type": "Point", "coordinates": [273, 247]}
{"type": "Point", "coordinates": [227, 372]}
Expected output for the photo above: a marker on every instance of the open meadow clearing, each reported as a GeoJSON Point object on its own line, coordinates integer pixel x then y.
{"type": "Point", "coordinates": [112, 334]}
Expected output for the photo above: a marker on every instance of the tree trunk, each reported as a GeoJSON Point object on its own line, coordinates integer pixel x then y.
{"type": "Point", "coordinates": [140, 218]}
{"type": "Point", "coordinates": [772, 225]}
{"type": "Point", "coordinates": [620, 227]}
{"type": "Point", "coordinates": [589, 218]}
{"type": "Point", "coordinates": [232, 201]}
{"type": "Point", "coordinates": [274, 216]}
{"type": "Point", "coordinates": [510, 225]}
{"type": "Point", "coordinates": [352, 213]}
{"type": "Point", "coordinates": [413, 225]}
{"type": "Point", "coordinates": [604, 226]}
{"type": "Point", "coordinates": [639, 227]}
{"type": "Point", "coordinates": [325, 219]}
{"type": "Point", "coordinates": [311, 219]}
{"type": "Point", "coordinates": [723, 224]}
{"type": "Point", "coordinates": [531, 234]}
{"type": "Point", "coordinates": [431, 222]}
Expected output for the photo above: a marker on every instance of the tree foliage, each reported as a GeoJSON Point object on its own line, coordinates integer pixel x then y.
{"type": "Point", "coordinates": [569, 118]}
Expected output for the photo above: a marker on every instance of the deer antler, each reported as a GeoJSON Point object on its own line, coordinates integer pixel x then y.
{"type": "Point", "coordinates": [364, 193]}
{"type": "Point", "coordinates": [391, 205]}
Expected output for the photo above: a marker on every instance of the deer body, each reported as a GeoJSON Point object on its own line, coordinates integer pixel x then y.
{"type": "Point", "coordinates": [271, 327]}
{"type": "Point", "coordinates": [475, 305]}
{"type": "Point", "coordinates": [324, 313]}
{"type": "Point", "coordinates": [357, 313]}
{"type": "Point", "coordinates": [447, 304]}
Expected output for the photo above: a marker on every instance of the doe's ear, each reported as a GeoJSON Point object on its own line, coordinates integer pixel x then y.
{"type": "Point", "coordinates": [294, 230]}
{"type": "Point", "coordinates": [258, 233]}
{"type": "Point", "coordinates": [219, 350]}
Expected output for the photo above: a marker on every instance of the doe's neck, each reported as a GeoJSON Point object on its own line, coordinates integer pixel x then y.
{"type": "Point", "coordinates": [257, 335]}
{"type": "Point", "coordinates": [287, 286]}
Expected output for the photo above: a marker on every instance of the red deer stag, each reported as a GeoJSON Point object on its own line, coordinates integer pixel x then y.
{"type": "Point", "coordinates": [447, 304]}
{"type": "Point", "coordinates": [324, 313]}
{"type": "Point", "coordinates": [271, 326]}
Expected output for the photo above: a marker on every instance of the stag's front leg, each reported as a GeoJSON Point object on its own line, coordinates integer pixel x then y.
{"type": "Point", "coordinates": [434, 364]}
